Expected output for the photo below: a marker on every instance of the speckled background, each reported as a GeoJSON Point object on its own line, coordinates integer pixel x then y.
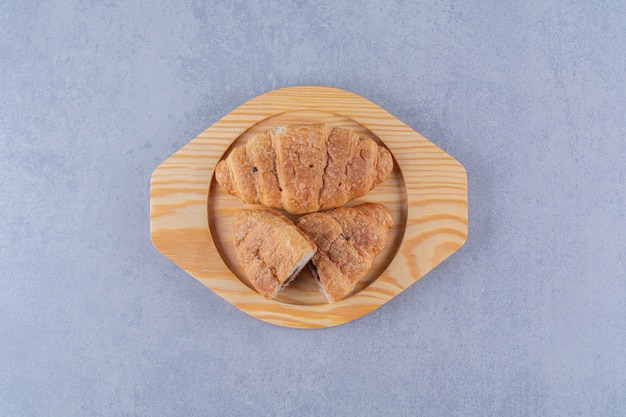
{"type": "Point", "coordinates": [527, 319]}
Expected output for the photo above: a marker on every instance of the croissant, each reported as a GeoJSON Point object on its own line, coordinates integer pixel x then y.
{"type": "Point", "coordinates": [348, 239]}
{"type": "Point", "coordinates": [271, 249]}
{"type": "Point", "coordinates": [302, 168]}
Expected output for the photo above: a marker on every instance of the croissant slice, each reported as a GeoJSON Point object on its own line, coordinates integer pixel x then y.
{"type": "Point", "coordinates": [302, 168]}
{"type": "Point", "coordinates": [348, 239]}
{"type": "Point", "coordinates": [271, 249]}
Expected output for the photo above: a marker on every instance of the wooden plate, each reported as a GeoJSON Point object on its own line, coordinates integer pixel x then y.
{"type": "Point", "coordinates": [190, 214]}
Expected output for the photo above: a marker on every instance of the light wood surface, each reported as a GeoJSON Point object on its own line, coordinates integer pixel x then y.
{"type": "Point", "coordinates": [190, 215]}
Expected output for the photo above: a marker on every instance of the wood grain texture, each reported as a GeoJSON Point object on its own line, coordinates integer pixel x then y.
{"type": "Point", "coordinates": [427, 192]}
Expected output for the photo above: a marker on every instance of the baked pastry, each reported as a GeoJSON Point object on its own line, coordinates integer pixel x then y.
{"type": "Point", "coordinates": [302, 168]}
{"type": "Point", "coordinates": [348, 239]}
{"type": "Point", "coordinates": [271, 249]}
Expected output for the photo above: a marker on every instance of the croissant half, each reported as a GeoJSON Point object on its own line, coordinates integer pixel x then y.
{"type": "Point", "coordinates": [271, 249]}
{"type": "Point", "coordinates": [348, 239]}
{"type": "Point", "coordinates": [302, 168]}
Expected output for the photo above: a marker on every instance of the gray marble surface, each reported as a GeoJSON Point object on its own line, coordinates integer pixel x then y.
{"type": "Point", "coordinates": [527, 319]}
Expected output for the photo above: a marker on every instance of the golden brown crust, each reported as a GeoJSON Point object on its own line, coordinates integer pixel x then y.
{"type": "Point", "coordinates": [302, 168]}
{"type": "Point", "coordinates": [341, 145]}
{"type": "Point", "coordinates": [301, 158]}
{"type": "Point", "coordinates": [384, 165]}
{"type": "Point", "coordinates": [263, 158]}
{"type": "Point", "coordinates": [348, 239]}
{"type": "Point", "coordinates": [270, 248]}
{"type": "Point", "coordinates": [223, 177]}
{"type": "Point", "coordinates": [242, 174]}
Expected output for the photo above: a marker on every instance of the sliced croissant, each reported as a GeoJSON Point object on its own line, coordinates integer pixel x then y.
{"type": "Point", "coordinates": [348, 239]}
{"type": "Point", "coordinates": [302, 168]}
{"type": "Point", "coordinates": [271, 249]}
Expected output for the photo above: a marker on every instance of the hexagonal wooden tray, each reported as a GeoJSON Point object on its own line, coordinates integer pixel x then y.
{"type": "Point", "coordinates": [190, 215]}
